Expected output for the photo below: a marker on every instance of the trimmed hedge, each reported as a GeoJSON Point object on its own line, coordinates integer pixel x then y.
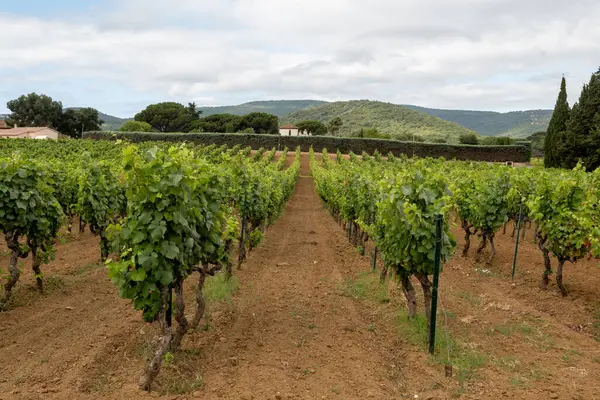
{"type": "Point", "coordinates": [520, 152]}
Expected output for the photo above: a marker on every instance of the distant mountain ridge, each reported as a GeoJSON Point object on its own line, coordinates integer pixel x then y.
{"type": "Point", "coordinates": [280, 108]}
{"type": "Point", "coordinates": [517, 124]}
{"type": "Point", "coordinates": [398, 121]}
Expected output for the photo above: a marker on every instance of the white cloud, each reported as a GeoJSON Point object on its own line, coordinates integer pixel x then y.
{"type": "Point", "coordinates": [476, 54]}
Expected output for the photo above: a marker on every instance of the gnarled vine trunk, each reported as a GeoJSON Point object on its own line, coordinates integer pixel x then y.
{"type": "Point", "coordinates": [182, 322]}
{"type": "Point", "coordinates": [410, 294]}
{"type": "Point", "coordinates": [163, 344]}
{"type": "Point", "coordinates": [200, 302]}
{"type": "Point", "coordinates": [384, 272]}
{"type": "Point", "coordinates": [12, 242]}
{"type": "Point", "coordinates": [547, 264]}
{"type": "Point", "coordinates": [468, 233]}
{"type": "Point", "coordinates": [491, 238]}
{"type": "Point", "coordinates": [426, 285]}
{"type": "Point", "coordinates": [559, 276]}
{"type": "Point", "coordinates": [481, 247]}
{"type": "Point", "coordinates": [104, 245]}
{"type": "Point", "coordinates": [36, 262]}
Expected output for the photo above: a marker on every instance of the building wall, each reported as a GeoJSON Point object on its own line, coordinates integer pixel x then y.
{"type": "Point", "coordinates": [45, 133]}
{"type": "Point", "coordinates": [288, 132]}
{"type": "Point", "coordinates": [292, 132]}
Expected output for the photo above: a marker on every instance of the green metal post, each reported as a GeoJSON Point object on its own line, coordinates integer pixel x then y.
{"type": "Point", "coordinates": [375, 258]}
{"type": "Point", "coordinates": [436, 279]}
{"type": "Point", "coordinates": [514, 268]}
{"type": "Point", "coordinates": [170, 306]}
{"type": "Point", "coordinates": [242, 233]}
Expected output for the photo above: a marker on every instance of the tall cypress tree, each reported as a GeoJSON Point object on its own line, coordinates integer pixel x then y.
{"type": "Point", "coordinates": [582, 137]}
{"type": "Point", "coordinates": [556, 128]}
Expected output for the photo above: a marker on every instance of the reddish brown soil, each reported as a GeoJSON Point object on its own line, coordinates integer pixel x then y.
{"type": "Point", "coordinates": [292, 330]}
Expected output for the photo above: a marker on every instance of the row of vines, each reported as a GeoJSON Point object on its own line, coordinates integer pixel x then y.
{"type": "Point", "coordinates": [394, 203]}
{"type": "Point", "coordinates": [162, 213]}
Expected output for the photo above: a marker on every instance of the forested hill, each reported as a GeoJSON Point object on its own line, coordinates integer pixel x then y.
{"type": "Point", "coordinates": [519, 124]}
{"type": "Point", "coordinates": [275, 107]}
{"type": "Point", "coordinates": [398, 121]}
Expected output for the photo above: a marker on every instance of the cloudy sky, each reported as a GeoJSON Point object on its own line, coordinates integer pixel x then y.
{"type": "Point", "coordinates": [120, 55]}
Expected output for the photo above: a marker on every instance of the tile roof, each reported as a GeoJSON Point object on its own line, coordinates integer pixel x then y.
{"type": "Point", "coordinates": [24, 130]}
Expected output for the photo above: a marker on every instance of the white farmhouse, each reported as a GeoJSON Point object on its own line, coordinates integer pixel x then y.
{"type": "Point", "coordinates": [291, 130]}
{"type": "Point", "coordinates": [288, 130]}
{"type": "Point", "coordinates": [29, 133]}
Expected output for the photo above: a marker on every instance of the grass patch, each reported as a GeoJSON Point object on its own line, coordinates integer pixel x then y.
{"type": "Point", "coordinates": [471, 298]}
{"type": "Point", "coordinates": [53, 283]}
{"type": "Point", "coordinates": [366, 286]}
{"type": "Point", "coordinates": [516, 381]}
{"type": "Point", "coordinates": [570, 355]}
{"type": "Point", "coordinates": [85, 268]}
{"type": "Point", "coordinates": [179, 375]}
{"type": "Point", "coordinates": [220, 289]}
{"type": "Point", "coordinates": [466, 361]}
{"type": "Point", "coordinates": [509, 330]}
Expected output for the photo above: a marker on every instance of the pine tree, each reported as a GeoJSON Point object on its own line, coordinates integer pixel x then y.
{"type": "Point", "coordinates": [556, 128]}
{"type": "Point", "coordinates": [581, 140]}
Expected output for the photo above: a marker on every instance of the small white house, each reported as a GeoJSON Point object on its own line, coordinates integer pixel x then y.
{"type": "Point", "coordinates": [291, 130]}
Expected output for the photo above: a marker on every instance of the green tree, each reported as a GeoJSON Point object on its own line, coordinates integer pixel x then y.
{"type": "Point", "coordinates": [35, 110]}
{"type": "Point", "coordinates": [335, 125]}
{"type": "Point", "coordinates": [313, 127]}
{"type": "Point", "coordinates": [75, 120]}
{"type": "Point", "coordinates": [169, 116]}
{"type": "Point", "coordinates": [581, 140]}
{"type": "Point", "coordinates": [556, 128]}
{"type": "Point", "coordinates": [261, 122]}
{"type": "Point", "coordinates": [538, 142]}
{"type": "Point", "coordinates": [136, 126]}
{"type": "Point", "coordinates": [220, 123]}
{"type": "Point", "coordinates": [469, 138]}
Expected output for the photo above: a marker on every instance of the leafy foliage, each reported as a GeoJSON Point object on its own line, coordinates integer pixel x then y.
{"type": "Point", "coordinates": [556, 128]}
{"type": "Point", "coordinates": [169, 116]}
{"type": "Point", "coordinates": [312, 127]}
{"type": "Point", "coordinates": [135, 126]}
{"type": "Point", "coordinates": [35, 110]}
{"type": "Point", "coordinates": [173, 223]}
{"type": "Point", "coordinates": [581, 140]}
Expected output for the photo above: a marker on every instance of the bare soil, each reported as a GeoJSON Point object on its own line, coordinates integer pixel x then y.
{"type": "Point", "coordinates": [309, 321]}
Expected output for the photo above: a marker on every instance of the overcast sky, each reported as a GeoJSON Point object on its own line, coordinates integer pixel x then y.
{"type": "Point", "coordinates": [120, 55]}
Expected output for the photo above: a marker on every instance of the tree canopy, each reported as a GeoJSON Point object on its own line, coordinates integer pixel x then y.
{"type": "Point", "coordinates": [229, 123]}
{"type": "Point", "coordinates": [556, 128]}
{"type": "Point", "coordinates": [580, 141]}
{"type": "Point", "coordinates": [335, 125]}
{"type": "Point", "coordinates": [313, 127]}
{"type": "Point", "coordinates": [136, 126]}
{"type": "Point", "coordinates": [469, 138]}
{"type": "Point", "coordinates": [40, 110]}
{"type": "Point", "coordinates": [74, 121]}
{"type": "Point", "coordinates": [35, 110]}
{"type": "Point", "coordinates": [169, 116]}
